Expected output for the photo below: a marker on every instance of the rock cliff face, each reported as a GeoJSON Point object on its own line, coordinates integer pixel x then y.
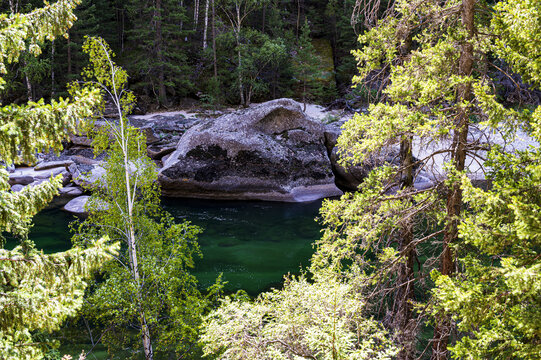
{"type": "Point", "coordinates": [269, 152]}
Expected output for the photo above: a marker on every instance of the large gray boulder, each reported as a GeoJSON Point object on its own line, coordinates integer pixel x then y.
{"type": "Point", "coordinates": [272, 151]}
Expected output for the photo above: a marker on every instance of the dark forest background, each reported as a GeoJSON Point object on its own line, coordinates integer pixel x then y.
{"type": "Point", "coordinates": [178, 49]}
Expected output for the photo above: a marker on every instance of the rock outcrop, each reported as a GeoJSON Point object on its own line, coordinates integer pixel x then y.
{"type": "Point", "coordinates": [272, 151]}
{"type": "Point", "coordinates": [31, 176]}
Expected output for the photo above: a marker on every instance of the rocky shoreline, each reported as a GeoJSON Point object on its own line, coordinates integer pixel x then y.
{"type": "Point", "coordinates": [272, 151]}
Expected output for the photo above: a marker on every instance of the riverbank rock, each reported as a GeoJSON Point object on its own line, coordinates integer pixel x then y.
{"type": "Point", "coordinates": [163, 131]}
{"type": "Point", "coordinates": [30, 176]}
{"type": "Point", "coordinates": [349, 179]}
{"type": "Point", "coordinates": [53, 164]}
{"type": "Point", "coordinates": [272, 151]}
{"type": "Point", "coordinates": [89, 179]}
{"type": "Point", "coordinates": [77, 206]}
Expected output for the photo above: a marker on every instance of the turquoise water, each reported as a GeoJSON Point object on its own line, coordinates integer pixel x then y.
{"type": "Point", "coordinates": [252, 243]}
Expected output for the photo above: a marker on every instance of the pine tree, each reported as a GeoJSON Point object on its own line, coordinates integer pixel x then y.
{"type": "Point", "coordinates": [432, 60]}
{"type": "Point", "coordinates": [306, 61]}
{"type": "Point", "coordinates": [37, 291]}
{"type": "Point", "coordinates": [496, 300]}
{"type": "Point", "coordinates": [158, 58]}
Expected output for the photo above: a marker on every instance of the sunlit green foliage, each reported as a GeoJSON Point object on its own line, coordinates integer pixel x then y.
{"type": "Point", "coordinates": [149, 287]}
{"type": "Point", "coordinates": [37, 291]}
{"type": "Point", "coordinates": [432, 62]}
{"type": "Point", "coordinates": [496, 301]}
{"type": "Point", "coordinates": [321, 320]}
{"type": "Point", "coordinates": [517, 24]}
{"type": "Point", "coordinates": [35, 126]}
{"type": "Point", "coordinates": [25, 32]}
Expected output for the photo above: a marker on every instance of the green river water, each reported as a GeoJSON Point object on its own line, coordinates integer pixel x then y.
{"type": "Point", "coordinates": [252, 243]}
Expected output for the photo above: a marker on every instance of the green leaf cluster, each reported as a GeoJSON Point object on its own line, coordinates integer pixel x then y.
{"type": "Point", "coordinates": [149, 287]}
{"type": "Point", "coordinates": [496, 300]}
{"type": "Point", "coordinates": [37, 291]}
{"type": "Point", "coordinates": [321, 320]}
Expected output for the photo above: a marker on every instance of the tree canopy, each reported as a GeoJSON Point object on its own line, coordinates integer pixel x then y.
{"type": "Point", "coordinates": [37, 291]}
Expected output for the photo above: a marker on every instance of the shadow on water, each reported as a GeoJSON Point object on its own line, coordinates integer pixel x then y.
{"type": "Point", "coordinates": [252, 243]}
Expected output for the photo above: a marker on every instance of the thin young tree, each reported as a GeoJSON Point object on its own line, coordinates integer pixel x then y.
{"type": "Point", "coordinates": [205, 28]}
{"type": "Point", "coordinates": [112, 80]}
{"type": "Point", "coordinates": [149, 287]}
{"type": "Point", "coordinates": [236, 13]}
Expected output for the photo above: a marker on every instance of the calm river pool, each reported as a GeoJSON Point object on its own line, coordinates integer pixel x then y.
{"type": "Point", "coordinates": [252, 243]}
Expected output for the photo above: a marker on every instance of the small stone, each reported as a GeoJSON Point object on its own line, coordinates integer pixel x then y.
{"type": "Point", "coordinates": [81, 140]}
{"type": "Point", "coordinates": [77, 206]}
{"type": "Point", "coordinates": [17, 187]}
{"type": "Point", "coordinates": [72, 191]}
{"type": "Point", "coordinates": [84, 160]}
{"type": "Point", "coordinates": [21, 179]}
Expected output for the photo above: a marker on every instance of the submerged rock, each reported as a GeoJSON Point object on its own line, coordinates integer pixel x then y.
{"type": "Point", "coordinates": [77, 206]}
{"type": "Point", "coordinates": [272, 151]}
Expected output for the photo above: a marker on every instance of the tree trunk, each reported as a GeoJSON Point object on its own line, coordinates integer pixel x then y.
{"type": "Point", "coordinates": [237, 33]}
{"type": "Point", "coordinates": [214, 41]}
{"type": "Point", "coordinates": [206, 24]}
{"type": "Point", "coordinates": [162, 94]}
{"type": "Point", "coordinates": [52, 69]}
{"type": "Point", "coordinates": [403, 308]}
{"type": "Point", "coordinates": [263, 20]}
{"type": "Point", "coordinates": [181, 21]}
{"type": "Point", "coordinates": [298, 18]}
{"type": "Point", "coordinates": [196, 14]}
{"type": "Point", "coordinates": [241, 90]}
{"type": "Point", "coordinates": [304, 94]}
{"type": "Point", "coordinates": [29, 91]}
{"type": "Point", "coordinates": [69, 55]}
{"type": "Point", "coordinates": [14, 6]}
{"type": "Point", "coordinates": [123, 15]}
{"type": "Point", "coordinates": [131, 239]}
{"type": "Point", "coordinates": [145, 331]}
{"type": "Point", "coordinates": [454, 197]}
